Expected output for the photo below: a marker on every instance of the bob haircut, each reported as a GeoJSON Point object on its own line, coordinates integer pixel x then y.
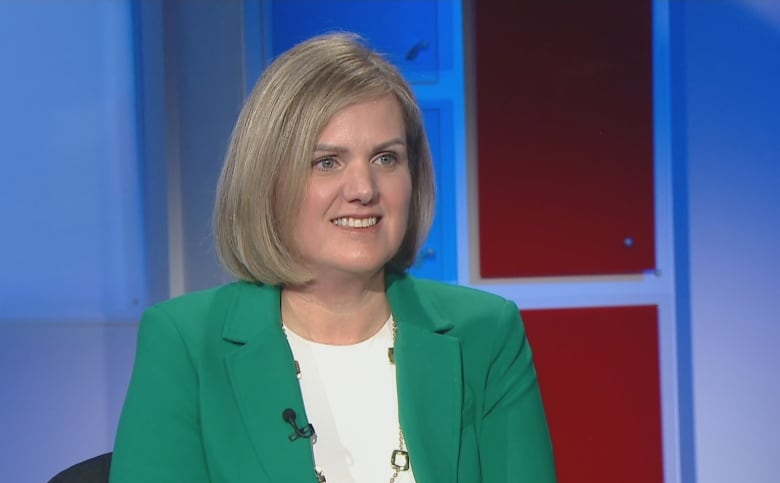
{"type": "Point", "coordinates": [268, 162]}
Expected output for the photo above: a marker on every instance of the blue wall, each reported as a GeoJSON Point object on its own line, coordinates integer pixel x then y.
{"type": "Point", "coordinates": [71, 252]}
{"type": "Point", "coordinates": [70, 187]}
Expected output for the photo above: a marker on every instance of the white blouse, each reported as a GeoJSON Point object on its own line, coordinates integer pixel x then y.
{"type": "Point", "coordinates": [351, 400]}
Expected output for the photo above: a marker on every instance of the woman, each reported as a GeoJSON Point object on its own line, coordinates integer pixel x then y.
{"type": "Point", "coordinates": [326, 360]}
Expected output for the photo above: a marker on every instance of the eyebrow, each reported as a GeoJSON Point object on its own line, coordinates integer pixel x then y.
{"type": "Point", "coordinates": [341, 149]}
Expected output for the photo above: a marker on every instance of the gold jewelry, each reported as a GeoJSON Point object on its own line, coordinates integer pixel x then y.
{"type": "Point", "coordinates": [399, 458]}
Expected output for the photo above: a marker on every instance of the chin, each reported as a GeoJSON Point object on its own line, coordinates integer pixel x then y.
{"type": "Point", "coordinates": [364, 267]}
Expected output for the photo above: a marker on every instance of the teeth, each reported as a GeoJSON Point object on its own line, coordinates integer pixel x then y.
{"type": "Point", "coordinates": [356, 222]}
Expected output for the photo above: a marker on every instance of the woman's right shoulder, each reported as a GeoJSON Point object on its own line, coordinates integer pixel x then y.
{"type": "Point", "coordinates": [199, 301]}
{"type": "Point", "coordinates": [203, 310]}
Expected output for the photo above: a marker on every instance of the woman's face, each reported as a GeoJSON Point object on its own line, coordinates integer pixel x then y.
{"type": "Point", "coordinates": [355, 208]}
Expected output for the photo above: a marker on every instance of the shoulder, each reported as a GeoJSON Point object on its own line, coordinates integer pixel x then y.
{"type": "Point", "coordinates": [447, 304]}
{"type": "Point", "coordinates": [485, 324]}
{"type": "Point", "coordinates": [201, 301]}
{"type": "Point", "coordinates": [206, 312]}
{"type": "Point", "coordinates": [458, 301]}
{"type": "Point", "coordinates": [449, 293]}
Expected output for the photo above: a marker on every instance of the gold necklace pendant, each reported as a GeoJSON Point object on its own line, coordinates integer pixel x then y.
{"type": "Point", "coordinates": [399, 460]}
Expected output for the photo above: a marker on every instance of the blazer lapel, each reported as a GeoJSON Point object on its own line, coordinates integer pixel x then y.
{"type": "Point", "coordinates": [262, 374]}
{"type": "Point", "coordinates": [430, 386]}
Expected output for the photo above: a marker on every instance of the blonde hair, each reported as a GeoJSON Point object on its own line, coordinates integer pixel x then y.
{"type": "Point", "coordinates": [268, 161]}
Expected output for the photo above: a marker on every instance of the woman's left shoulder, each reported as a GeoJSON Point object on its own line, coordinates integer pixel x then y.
{"type": "Point", "coordinates": [463, 305]}
{"type": "Point", "coordinates": [452, 293]}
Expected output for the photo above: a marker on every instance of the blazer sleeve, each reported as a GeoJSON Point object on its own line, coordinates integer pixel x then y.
{"type": "Point", "coordinates": [158, 439]}
{"type": "Point", "coordinates": [515, 443]}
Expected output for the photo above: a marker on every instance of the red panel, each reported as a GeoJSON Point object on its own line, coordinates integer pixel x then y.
{"type": "Point", "coordinates": [564, 116]}
{"type": "Point", "coordinates": [599, 374]}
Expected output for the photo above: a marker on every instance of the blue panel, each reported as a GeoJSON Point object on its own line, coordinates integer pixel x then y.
{"type": "Point", "coordinates": [70, 190]}
{"type": "Point", "coordinates": [407, 31]}
{"type": "Point", "coordinates": [437, 258]}
{"type": "Point", "coordinates": [726, 133]}
{"type": "Point", "coordinates": [682, 281]}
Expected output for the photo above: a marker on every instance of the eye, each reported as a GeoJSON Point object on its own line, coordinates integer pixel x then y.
{"type": "Point", "coordinates": [386, 159]}
{"type": "Point", "coordinates": [325, 164]}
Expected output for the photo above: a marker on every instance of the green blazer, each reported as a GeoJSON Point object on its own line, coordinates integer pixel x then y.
{"type": "Point", "coordinates": [213, 373]}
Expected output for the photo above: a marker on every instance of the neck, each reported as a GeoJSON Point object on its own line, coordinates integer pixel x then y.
{"type": "Point", "coordinates": [336, 313]}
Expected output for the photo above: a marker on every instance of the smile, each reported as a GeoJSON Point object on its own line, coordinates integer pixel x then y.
{"type": "Point", "coordinates": [356, 222]}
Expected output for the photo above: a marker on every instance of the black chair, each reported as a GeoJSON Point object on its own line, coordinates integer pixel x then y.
{"type": "Point", "coordinates": [93, 470]}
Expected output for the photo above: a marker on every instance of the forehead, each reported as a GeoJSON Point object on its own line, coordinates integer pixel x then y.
{"type": "Point", "coordinates": [374, 117]}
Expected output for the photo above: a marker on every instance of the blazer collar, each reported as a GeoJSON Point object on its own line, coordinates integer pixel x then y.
{"type": "Point", "coordinates": [256, 308]}
{"type": "Point", "coordinates": [429, 381]}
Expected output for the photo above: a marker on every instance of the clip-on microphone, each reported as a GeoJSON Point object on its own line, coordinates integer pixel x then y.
{"type": "Point", "coordinates": [304, 432]}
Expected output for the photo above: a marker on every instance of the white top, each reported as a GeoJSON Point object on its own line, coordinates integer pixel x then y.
{"type": "Point", "coordinates": [350, 396]}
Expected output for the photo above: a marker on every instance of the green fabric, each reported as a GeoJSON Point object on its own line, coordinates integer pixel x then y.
{"type": "Point", "coordinates": [213, 373]}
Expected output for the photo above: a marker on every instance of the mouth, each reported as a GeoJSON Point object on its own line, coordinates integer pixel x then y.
{"type": "Point", "coordinates": [350, 222]}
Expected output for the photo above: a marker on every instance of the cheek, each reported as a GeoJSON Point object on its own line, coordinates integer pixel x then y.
{"type": "Point", "coordinates": [314, 201]}
{"type": "Point", "coordinates": [403, 205]}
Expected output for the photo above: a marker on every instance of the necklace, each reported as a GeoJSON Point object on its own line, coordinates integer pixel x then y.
{"type": "Point", "coordinates": [399, 458]}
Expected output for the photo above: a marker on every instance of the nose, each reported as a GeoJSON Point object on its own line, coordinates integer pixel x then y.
{"type": "Point", "coordinates": [360, 184]}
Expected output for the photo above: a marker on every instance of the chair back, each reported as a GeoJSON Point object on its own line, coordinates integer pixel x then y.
{"type": "Point", "coordinates": [93, 470]}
